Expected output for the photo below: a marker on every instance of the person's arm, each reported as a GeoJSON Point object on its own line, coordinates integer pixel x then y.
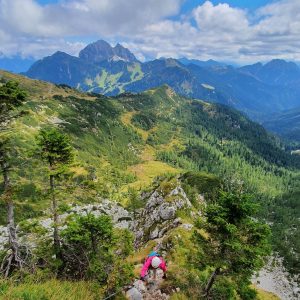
{"type": "Point", "coordinates": [163, 265]}
{"type": "Point", "coordinates": [146, 267]}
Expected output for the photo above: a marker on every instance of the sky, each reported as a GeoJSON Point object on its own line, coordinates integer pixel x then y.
{"type": "Point", "coordinates": [237, 31]}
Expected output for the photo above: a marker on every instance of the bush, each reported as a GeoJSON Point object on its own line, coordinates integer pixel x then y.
{"type": "Point", "coordinates": [93, 250]}
{"type": "Point", "coordinates": [144, 121]}
{"type": "Point", "coordinates": [203, 183]}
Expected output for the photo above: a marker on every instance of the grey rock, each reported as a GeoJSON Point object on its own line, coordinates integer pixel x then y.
{"type": "Point", "coordinates": [154, 200]}
{"type": "Point", "coordinates": [159, 214]}
{"type": "Point", "coordinates": [296, 291]}
{"type": "Point", "coordinates": [134, 294]}
{"type": "Point", "coordinates": [140, 286]}
{"type": "Point", "coordinates": [187, 226]}
{"type": "Point", "coordinates": [154, 234]}
{"type": "Point", "coordinates": [167, 212]}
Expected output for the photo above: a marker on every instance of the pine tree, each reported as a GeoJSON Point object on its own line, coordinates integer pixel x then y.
{"type": "Point", "coordinates": [56, 150]}
{"type": "Point", "coordinates": [236, 242]}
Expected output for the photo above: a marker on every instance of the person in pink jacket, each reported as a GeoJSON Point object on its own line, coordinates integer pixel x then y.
{"type": "Point", "coordinates": [153, 261]}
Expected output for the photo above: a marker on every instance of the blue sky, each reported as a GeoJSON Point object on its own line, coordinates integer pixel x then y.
{"type": "Point", "coordinates": [241, 31]}
{"type": "Point", "coordinates": [188, 5]}
{"type": "Point", "coordinates": [247, 4]}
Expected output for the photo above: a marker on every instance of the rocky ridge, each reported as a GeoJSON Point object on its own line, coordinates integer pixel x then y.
{"type": "Point", "coordinates": [152, 222]}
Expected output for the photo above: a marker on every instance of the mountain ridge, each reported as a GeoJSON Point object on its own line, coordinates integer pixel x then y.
{"type": "Point", "coordinates": [256, 89]}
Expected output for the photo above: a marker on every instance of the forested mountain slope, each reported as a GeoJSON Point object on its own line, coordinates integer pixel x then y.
{"type": "Point", "coordinates": [128, 141]}
{"type": "Point", "coordinates": [132, 131]}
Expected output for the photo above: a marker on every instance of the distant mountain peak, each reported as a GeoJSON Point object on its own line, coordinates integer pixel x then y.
{"type": "Point", "coordinates": [124, 53]}
{"type": "Point", "coordinates": [207, 64]}
{"type": "Point", "coordinates": [281, 63]}
{"type": "Point", "coordinates": [119, 46]}
{"type": "Point", "coordinates": [101, 42]}
{"type": "Point", "coordinates": [102, 50]}
{"type": "Point", "coordinates": [59, 53]}
{"type": "Point", "coordinates": [277, 61]}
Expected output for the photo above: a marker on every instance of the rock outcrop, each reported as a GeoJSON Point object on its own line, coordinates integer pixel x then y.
{"type": "Point", "coordinates": [160, 214]}
{"type": "Point", "coordinates": [120, 217]}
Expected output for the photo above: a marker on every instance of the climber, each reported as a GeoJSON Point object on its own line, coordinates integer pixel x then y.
{"type": "Point", "coordinates": [153, 261]}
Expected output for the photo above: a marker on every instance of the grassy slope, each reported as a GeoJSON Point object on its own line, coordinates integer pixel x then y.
{"type": "Point", "coordinates": [50, 290]}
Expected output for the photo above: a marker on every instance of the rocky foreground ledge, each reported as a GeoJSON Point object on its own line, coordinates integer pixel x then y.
{"type": "Point", "coordinates": [153, 221]}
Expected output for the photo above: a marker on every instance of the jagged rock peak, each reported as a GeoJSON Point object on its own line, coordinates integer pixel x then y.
{"type": "Point", "coordinates": [101, 50]}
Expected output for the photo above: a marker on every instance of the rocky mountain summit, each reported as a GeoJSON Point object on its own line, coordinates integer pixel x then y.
{"type": "Point", "coordinates": [101, 50]}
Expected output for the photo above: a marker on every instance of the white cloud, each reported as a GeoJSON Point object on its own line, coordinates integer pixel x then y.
{"type": "Point", "coordinates": [83, 17]}
{"type": "Point", "coordinates": [209, 31]}
{"type": "Point", "coordinates": [220, 18]}
{"type": "Point", "coordinates": [27, 21]}
{"type": "Point", "coordinates": [231, 34]}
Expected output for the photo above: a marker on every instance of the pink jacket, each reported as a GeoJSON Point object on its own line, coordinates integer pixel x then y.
{"type": "Point", "coordinates": [147, 265]}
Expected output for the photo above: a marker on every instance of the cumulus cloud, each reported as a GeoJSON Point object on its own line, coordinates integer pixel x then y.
{"type": "Point", "coordinates": [153, 28]}
{"type": "Point", "coordinates": [84, 17]}
{"type": "Point", "coordinates": [232, 34]}
{"type": "Point", "coordinates": [220, 18]}
{"type": "Point", "coordinates": [27, 21]}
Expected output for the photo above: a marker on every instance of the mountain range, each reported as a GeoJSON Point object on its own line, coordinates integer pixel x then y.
{"type": "Point", "coordinates": [254, 89]}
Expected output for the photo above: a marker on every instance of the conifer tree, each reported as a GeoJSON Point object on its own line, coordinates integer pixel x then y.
{"type": "Point", "coordinates": [135, 201]}
{"type": "Point", "coordinates": [56, 150]}
{"type": "Point", "coordinates": [236, 242]}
